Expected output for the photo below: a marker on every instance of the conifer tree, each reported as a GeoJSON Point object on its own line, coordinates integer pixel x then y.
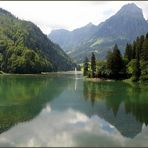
{"type": "Point", "coordinates": [114, 61]}
{"type": "Point", "coordinates": [144, 52]}
{"type": "Point", "coordinates": [128, 52]}
{"type": "Point", "coordinates": [93, 65]}
{"type": "Point", "coordinates": [134, 50]}
{"type": "Point", "coordinates": [144, 60]}
{"type": "Point", "coordinates": [139, 44]}
{"type": "Point", "coordinates": [117, 60]}
{"type": "Point", "coordinates": [86, 64]}
{"type": "Point", "coordinates": [137, 68]}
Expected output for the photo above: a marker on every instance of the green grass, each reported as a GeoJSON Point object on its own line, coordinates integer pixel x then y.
{"type": "Point", "coordinates": [97, 42]}
{"type": "Point", "coordinates": [1, 72]}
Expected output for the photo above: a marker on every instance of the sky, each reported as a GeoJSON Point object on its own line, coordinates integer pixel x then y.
{"type": "Point", "coordinates": [50, 15]}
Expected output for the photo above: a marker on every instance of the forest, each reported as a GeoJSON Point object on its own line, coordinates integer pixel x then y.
{"type": "Point", "coordinates": [25, 49]}
{"type": "Point", "coordinates": [132, 65]}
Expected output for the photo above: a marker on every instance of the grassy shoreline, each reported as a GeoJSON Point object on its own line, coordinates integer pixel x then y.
{"type": "Point", "coordinates": [42, 73]}
{"type": "Point", "coordinates": [98, 79]}
{"type": "Point", "coordinates": [107, 80]}
{"type": "Point", "coordinates": [128, 81]}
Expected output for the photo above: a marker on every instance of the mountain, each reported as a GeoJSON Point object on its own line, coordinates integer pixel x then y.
{"type": "Point", "coordinates": [123, 27]}
{"type": "Point", "coordinates": [25, 49]}
{"type": "Point", "coordinates": [69, 40]}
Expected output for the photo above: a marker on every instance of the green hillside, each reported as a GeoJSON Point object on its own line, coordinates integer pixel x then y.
{"type": "Point", "coordinates": [25, 49]}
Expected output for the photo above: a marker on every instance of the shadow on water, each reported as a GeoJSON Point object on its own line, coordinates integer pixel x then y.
{"type": "Point", "coordinates": [22, 97]}
{"type": "Point", "coordinates": [125, 105]}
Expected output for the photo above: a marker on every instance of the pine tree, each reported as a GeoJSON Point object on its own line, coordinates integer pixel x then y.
{"type": "Point", "coordinates": [134, 50]}
{"type": "Point", "coordinates": [144, 60]}
{"type": "Point", "coordinates": [144, 52]}
{"type": "Point", "coordinates": [86, 64]}
{"type": "Point", "coordinates": [114, 62]}
{"type": "Point", "coordinates": [139, 45]}
{"type": "Point", "coordinates": [128, 52]}
{"type": "Point", "coordinates": [93, 65]}
{"type": "Point", "coordinates": [137, 68]}
{"type": "Point", "coordinates": [117, 61]}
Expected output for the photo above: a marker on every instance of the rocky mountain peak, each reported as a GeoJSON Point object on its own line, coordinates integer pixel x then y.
{"type": "Point", "coordinates": [131, 10]}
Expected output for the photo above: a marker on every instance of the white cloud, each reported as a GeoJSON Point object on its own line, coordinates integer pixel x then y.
{"type": "Point", "coordinates": [53, 128]}
{"type": "Point", "coordinates": [49, 15]}
{"type": "Point", "coordinates": [68, 128]}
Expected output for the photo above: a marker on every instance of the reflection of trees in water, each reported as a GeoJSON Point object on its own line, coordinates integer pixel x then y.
{"type": "Point", "coordinates": [19, 90]}
{"type": "Point", "coordinates": [137, 103]}
{"type": "Point", "coordinates": [22, 98]}
{"type": "Point", "coordinates": [113, 108]}
{"type": "Point", "coordinates": [134, 97]}
{"type": "Point", "coordinates": [103, 91]}
{"type": "Point", "coordinates": [94, 91]}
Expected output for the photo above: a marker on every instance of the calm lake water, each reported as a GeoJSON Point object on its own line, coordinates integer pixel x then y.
{"type": "Point", "coordinates": [59, 110]}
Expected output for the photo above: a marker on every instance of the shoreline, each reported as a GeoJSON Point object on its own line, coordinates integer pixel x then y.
{"type": "Point", "coordinates": [128, 81]}
{"type": "Point", "coordinates": [98, 80]}
{"type": "Point", "coordinates": [42, 73]}
{"type": "Point", "coordinates": [63, 72]}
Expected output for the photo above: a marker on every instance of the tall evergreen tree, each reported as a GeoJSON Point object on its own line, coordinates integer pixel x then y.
{"type": "Point", "coordinates": [128, 52]}
{"type": "Point", "coordinates": [86, 65]}
{"type": "Point", "coordinates": [117, 60]}
{"type": "Point", "coordinates": [134, 50]}
{"type": "Point", "coordinates": [114, 61]}
{"type": "Point", "coordinates": [93, 65]}
{"type": "Point", "coordinates": [137, 68]}
{"type": "Point", "coordinates": [144, 60]}
{"type": "Point", "coordinates": [144, 52]}
{"type": "Point", "coordinates": [139, 45]}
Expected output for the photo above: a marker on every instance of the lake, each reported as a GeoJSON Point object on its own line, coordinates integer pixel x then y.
{"type": "Point", "coordinates": [59, 110]}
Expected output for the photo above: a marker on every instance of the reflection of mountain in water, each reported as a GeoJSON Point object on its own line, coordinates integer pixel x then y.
{"type": "Point", "coordinates": [127, 103]}
{"type": "Point", "coordinates": [112, 101]}
{"type": "Point", "coordinates": [23, 97]}
{"type": "Point", "coordinates": [122, 105]}
{"type": "Point", "coordinates": [125, 123]}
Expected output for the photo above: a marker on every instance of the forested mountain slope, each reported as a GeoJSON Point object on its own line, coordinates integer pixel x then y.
{"type": "Point", "coordinates": [25, 49]}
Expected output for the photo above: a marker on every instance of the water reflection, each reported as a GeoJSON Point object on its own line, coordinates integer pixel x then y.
{"type": "Point", "coordinates": [127, 102]}
{"type": "Point", "coordinates": [49, 111]}
{"type": "Point", "coordinates": [22, 98]}
{"type": "Point", "coordinates": [72, 129]}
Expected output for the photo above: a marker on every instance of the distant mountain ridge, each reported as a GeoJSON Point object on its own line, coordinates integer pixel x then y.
{"type": "Point", "coordinates": [25, 49]}
{"type": "Point", "coordinates": [70, 38]}
{"type": "Point", "coordinates": [123, 27]}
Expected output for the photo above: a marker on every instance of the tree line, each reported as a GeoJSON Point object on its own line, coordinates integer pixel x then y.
{"type": "Point", "coordinates": [133, 64]}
